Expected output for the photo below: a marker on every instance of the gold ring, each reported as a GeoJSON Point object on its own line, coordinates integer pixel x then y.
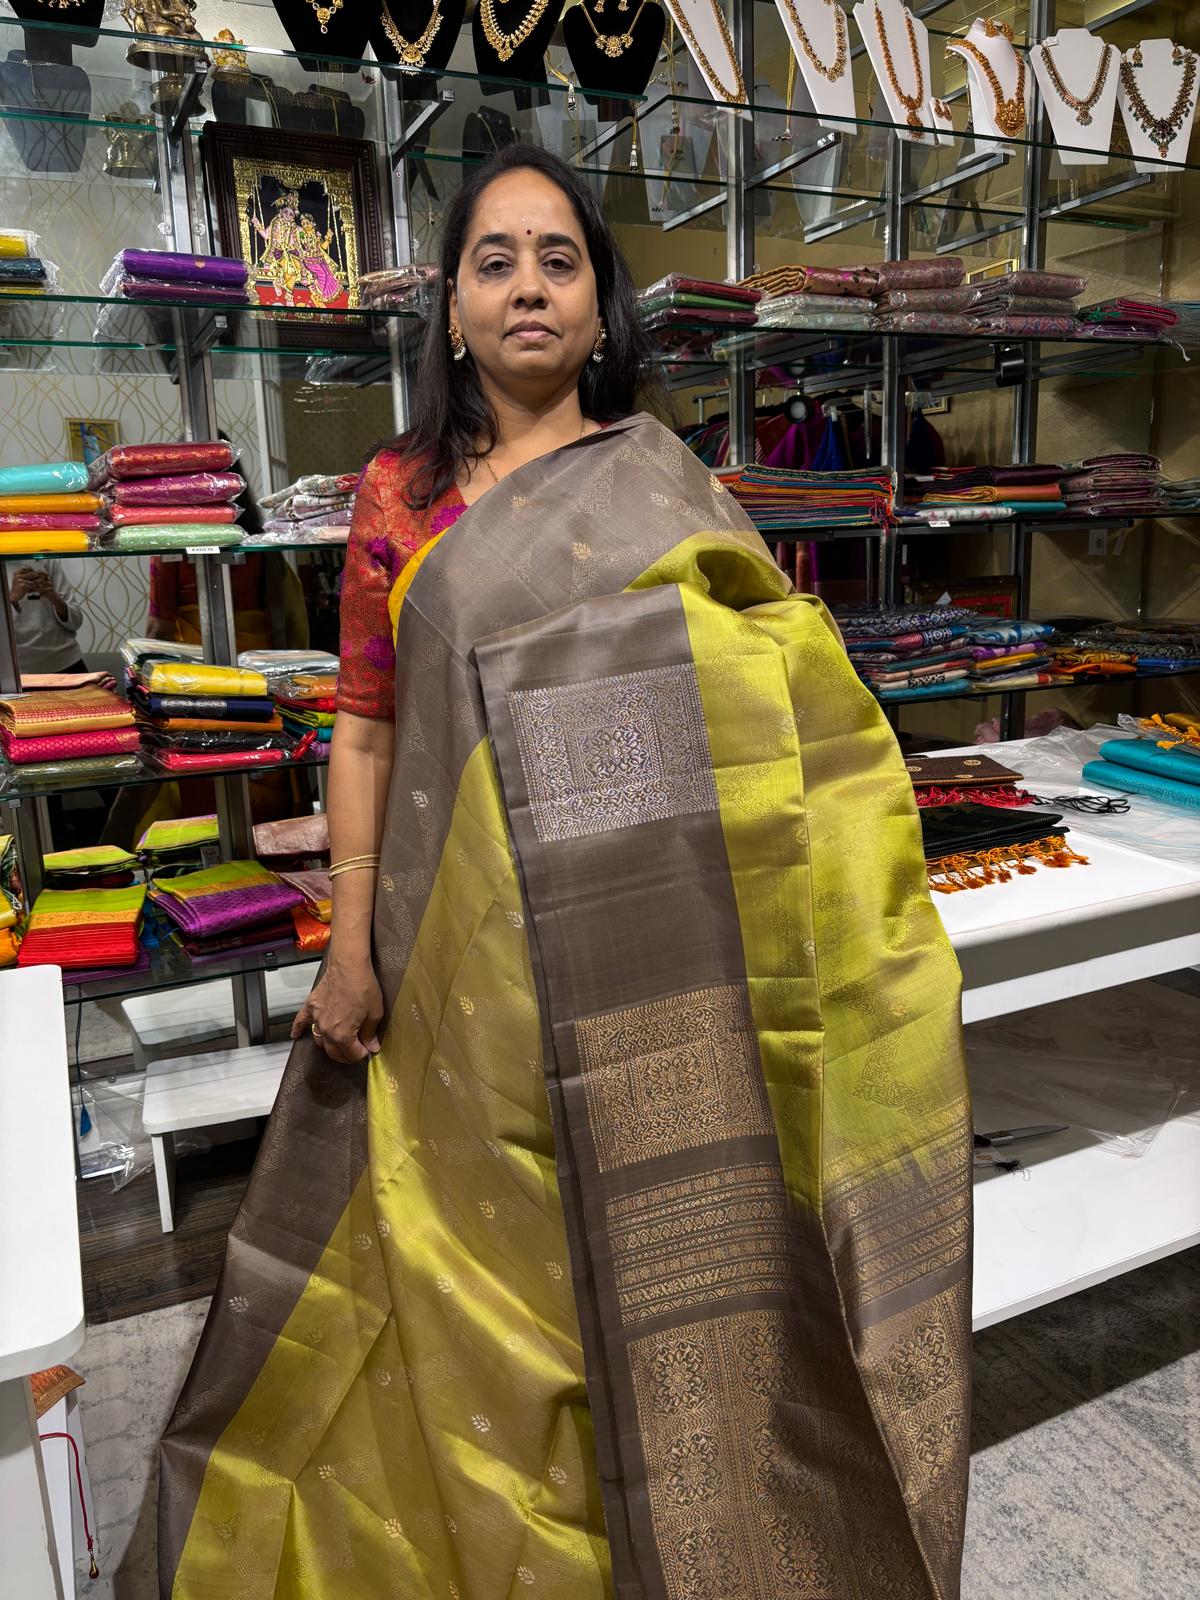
{"type": "Point", "coordinates": [316, 1033]}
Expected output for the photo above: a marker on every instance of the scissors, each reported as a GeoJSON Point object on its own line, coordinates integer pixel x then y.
{"type": "Point", "coordinates": [1002, 1136]}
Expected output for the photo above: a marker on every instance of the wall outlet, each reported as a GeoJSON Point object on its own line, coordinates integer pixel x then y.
{"type": "Point", "coordinates": [1098, 542]}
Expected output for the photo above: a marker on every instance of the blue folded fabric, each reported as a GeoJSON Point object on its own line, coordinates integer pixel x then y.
{"type": "Point", "coordinates": [931, 691]}
{"type": "Point", "coordinates": [49, 477]}
{"type": "Point", "coordinates": [1010, 632]}
{"type": "Point", "coordinates": [1182, 765]}
{"type": "Point", "coordinates": [1132, 780]}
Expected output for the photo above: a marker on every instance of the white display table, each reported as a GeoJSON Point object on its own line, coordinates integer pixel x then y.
{"type": "Point", "coordinates": [41, 1289]}
{"type": "Point", "coordinates": [1077, 1214]}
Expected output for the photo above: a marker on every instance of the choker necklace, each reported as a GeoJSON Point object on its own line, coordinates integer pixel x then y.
{"type": "Point", "coordinates": [325, 14]}
{"type": "Point", "coordinates": [1009, 113]}
{"type": "Point", "coordinates": [734, 96]}
{"type": "Point", "coordinates": [412, 52]}
{"type": "Point", "coordinates": [912, 103]}
{"type": "Point", "coordinates": [507, 44]}
{"type": "Point", "coordinates": [615, 44]}
{"type": "Point", "coordinates": [832, 73]}
{"type": "Point", "coordinates": [1081, 106]}
{"type": "Point", "coordinates": [1162, 130]}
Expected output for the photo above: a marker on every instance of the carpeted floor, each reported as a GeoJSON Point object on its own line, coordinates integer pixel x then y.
{"type": "Point", "coordinates": [1085, 1472]}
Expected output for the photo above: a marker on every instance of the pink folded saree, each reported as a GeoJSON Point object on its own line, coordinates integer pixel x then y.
{"type": "Point", "coordinates": [67, 746]}
{"type": "Point", "coordinates": [179, 489]}
{"type": "Point", "coordinates": [145, 516]}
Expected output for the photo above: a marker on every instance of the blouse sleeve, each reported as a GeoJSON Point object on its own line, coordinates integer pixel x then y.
{"type": "Point", "coordinates": [367, 675]}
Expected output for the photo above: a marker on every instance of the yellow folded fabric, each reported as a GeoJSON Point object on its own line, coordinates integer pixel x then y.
{"type": "Point", "coordinates": [45, 711]}
{"type": "Point", "coordinates": [13, 244]}
{"type": "Point", "coordinates": [189, 677]}
{"type": "Point", "coordinates": [37, 541]}
{"type": "Point", "coordinates": [14, 504]}
{"type": "Point", "coordinates": [8, 912]}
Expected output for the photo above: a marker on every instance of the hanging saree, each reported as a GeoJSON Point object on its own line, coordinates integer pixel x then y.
{"type": "Point", "coordinates": [636, 1263]}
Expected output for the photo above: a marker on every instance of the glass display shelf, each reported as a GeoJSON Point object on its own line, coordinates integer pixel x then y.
{"type": "Point", "coordinates": [229, 555]}
{"type": "Point", "coordinates": [172, 968]}
{"type": "Point", "coordinates": [1043, 688]}
{"type": "Point", "coordinates": [13, 790]}
{"type": "Point", "coordinates": [907, 527]}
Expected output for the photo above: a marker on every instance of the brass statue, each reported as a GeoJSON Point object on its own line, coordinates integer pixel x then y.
{"type": "Point", "coordinates": [173, 20]}
{"type": "Point", "coordinates": [130, 151]}
{"type": "Point", "coordinates": [229, 60]}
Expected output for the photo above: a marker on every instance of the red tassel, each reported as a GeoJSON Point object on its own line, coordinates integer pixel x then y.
{"type": "Point", "coordinates": [93, 1569]}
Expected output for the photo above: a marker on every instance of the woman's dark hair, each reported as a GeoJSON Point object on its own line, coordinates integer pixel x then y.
{"type": "Point", "coordinates": [452, 422]}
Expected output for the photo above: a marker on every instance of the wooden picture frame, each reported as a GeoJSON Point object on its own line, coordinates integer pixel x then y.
{"type": "Point", "coordinates": [305, 215]}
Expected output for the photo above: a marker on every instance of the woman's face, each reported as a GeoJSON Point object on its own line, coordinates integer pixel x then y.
{"type": "Point", "coordinates": [525, 298]}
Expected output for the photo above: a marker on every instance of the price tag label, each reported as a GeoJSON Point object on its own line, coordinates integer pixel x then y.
{"type": "Point", "coordinates": [939, 522]}
{"type": "Point", "coordinates": [201, 549]}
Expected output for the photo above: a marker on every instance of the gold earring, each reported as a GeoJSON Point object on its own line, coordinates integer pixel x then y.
{"type": "Point", "coordinates": [458, 345]}
{"type": "Point", "coordinates": [1137, 56]}
{"type": "Point", "coordinates": [601, 341]}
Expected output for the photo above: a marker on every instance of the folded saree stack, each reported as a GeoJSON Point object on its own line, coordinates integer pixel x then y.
{"type": "Point", "coordinates": [168, 275]}
{"type": "Point", "coordinates": [1161, 762]}
{"type": "Point", "coordinates": [1147, 318]}
{"type": "Point", "coordinates": [307, 703]}
{"type": "Point", "coordinates": [909, 651]}
{"type": "Point", "coordinates": [199, 718]}
{"type": "Point", "coordinates": [1118, 649]}
{"type": "Point", "coordinates": [297, 848]}
{"type": "Point", "coordinates": [10, 902]}
{"type": "Point", "coordinates": [984, 493]}
{"type": "Point", "coordinates": [316, 509]}
{"type": "Point", "coordinates": [22, 270]}
{"type": "Point", "coordinates": [98, 866]}
{"type": "Point", "coordinates": [65, 734]}
{"type": "Point", "coordinates": [407, 288]}
{"type": "Point", "coordinates": [1021, 303]}
{"type": "Point", "coordinates": [686, 314]}
{"type": "Point", "coordinates": [971, 846]}
{"type": "Point", "coordinates": [46, 508]}
{"type": "Point", "coordinates": [84, 929]}
{"type": "Point", "coordinates": [1008, 655]}
{"type": "Point", "coordinates": [1114, 485]}
{"type": "Point", "coordinates": [169, 496]}
{"type": "Point", "coordinates": [777, 498]}
{"type": "Point", "coordinates": [236, 906]}
{"type": "Point", "coordinates": [178, 844]}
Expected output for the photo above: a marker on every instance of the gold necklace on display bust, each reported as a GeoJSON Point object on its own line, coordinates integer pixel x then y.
{"type": "Point", "coordinates": [412, 51]}
{"type": "Point", "coordinates": [325, 14]}
{"type": "Point", "coordinates": [841, 49]}
{"type": "Point", "coordinates": [912, 103]}
{"type": "Point", "coordinates": [1162, 130]}
{"type": "Point", "coordinates": [507, 44]}
{"type": "Point", "coordinates": [734, 96]}
{"type": "Point", "coordinates": [614, 44]}
{"type": "Point", "coordinates": [1081, 105]}
{"type": "Point", "coordinates": [1008, 111]}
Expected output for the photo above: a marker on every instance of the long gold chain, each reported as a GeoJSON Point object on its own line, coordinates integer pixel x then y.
{"type": "Point", "coordinates": [412, 52]}
{"type": "Point", "coordinates": [912, 103]}
{"type": "Point", "coordinates": [841, 41]}
{"type": "Point", "coordinates": [615, 44]}
{"type": "Point", "coordinates": [1009, 112]}
{"type": "Point", "coordinates": [325, 14]}
{"type": "Point", "coordinates": [1082, 107]}
{"type": "Point", "coordinates": [736, 96]}
{"type": "Point", "coordinates": [1162, 130]}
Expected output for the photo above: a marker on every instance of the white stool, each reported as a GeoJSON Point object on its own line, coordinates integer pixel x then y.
{"type": "Point", "coordinates": [180, 1021]}
{"type": "Point", "coordinates": [203, 1091]}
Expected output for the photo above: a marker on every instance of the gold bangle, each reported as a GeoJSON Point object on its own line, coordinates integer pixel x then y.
{"type": "Point", "coordinates": [353, 864]}
{"type": "Point", "coordinates": [367, 855]}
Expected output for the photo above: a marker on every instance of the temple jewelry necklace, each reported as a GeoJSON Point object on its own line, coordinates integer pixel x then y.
{"type": "Point", "coordinates": [507, 44]}
{"type": "Point", "coordinates": [1162, 130]}
{"type": "Point", "coordinates": [1082, 106]}
{"type": "Point", "coordinates": [615, 44]}
{"type": "Point", "coordinates": [736, 95]}
{"type": "Point", "coordinates": [325, 14]}
{"type": "Point", "coordinates": [412, 52]}
{"type": "Point", "coordinates": [832, 73]}
{"type": "Point", "coordinates": [912, 103]}
{"type": "Point", "coordinates": [1009, 113]}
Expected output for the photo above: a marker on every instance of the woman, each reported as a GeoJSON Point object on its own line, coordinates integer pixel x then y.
{"type": "Point", "coordinates": [611, 1233]}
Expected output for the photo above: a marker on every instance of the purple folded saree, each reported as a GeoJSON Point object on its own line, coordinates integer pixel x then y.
{"type": "Point", "coordinates": [947, 273]}
{"type": "Point", "coordinates": [236, 894]}
{"type": "Point", "coordinates": [171, 289]}
{"type": "Point", "coordinates": [180, 268]}
{"type": "Point", "coordinates": [185, 488]}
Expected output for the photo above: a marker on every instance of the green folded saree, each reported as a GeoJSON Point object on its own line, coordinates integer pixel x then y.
{"type": "Point", "coordinates": [636, 1263]}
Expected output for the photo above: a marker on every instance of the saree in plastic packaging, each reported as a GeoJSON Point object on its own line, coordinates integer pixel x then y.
{"type": "Point", "coordinates": [636, 1263]}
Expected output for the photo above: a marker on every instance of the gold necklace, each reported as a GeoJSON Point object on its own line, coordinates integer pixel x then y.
{"type": "Point", "coordinates": [912, 103]}
{"type": "Point", "coordinates": [412, 52]}
{"type": "Point", "coordinates": [738, 94]}
{"type": "Point", "coordinates": [325, 14]}
{"type": "Point", "coordinates": [507, 44]}
{"type": "Point", "coordinates": [832, 73]}
{"type": "Point", "coordinates": [1009, 113]}
{"type": "Point", "coordinates": [492, 470]}
{"type": "Point", "coordinates": [615, 44]}
{"type": "Point", "coordinates": [1082, 107]}
{"type": "Point", "coordinates": [1162, 130]}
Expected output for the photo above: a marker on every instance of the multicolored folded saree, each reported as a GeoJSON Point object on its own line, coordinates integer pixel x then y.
{"type": "Point", "coordinates": [636, 1263]}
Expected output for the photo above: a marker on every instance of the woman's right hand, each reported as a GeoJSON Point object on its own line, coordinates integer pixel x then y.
{"type": "Point", "coordinates": [344, 1012]}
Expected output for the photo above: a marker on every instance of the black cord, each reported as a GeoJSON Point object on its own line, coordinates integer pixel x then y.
{"type": "Point", "coordinates": [1097, 805]}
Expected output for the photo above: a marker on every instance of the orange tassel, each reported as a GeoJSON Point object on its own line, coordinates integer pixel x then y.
{"type": "Point", "coordinates": [949, 874]}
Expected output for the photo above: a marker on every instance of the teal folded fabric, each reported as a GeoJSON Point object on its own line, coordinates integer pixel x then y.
{"type": "Point", "coordinates": [177, 536]}
{"type": "Point", "coordinates": [931, 691]}
{"type": "Point", "coordinates": [1179, 765]}
{"type": "Point", "coordinates": [45, 477]}
{"type": "Point", "coordinates": [1132, 780]}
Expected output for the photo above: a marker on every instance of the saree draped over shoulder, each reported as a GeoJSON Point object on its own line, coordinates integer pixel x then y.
{"type": "Point", "coordinates": [637, 1262]}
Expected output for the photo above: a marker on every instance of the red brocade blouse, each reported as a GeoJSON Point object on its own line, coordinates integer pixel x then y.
{"type": "Point", "coordinates": [384, 535]}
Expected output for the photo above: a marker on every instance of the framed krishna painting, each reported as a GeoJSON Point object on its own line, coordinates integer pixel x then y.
{"type": "Point", "coordinates": [303, 213]}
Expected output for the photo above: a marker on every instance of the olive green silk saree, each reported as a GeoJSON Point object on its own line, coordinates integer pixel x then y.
{"type": "Point", "coordinates": [637, 1262]}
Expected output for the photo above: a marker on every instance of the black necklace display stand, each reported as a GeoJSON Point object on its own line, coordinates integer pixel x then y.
{"type": "Point", "coordinates": [345, 33]}
{"type": "Point", "coordinates": [626, 72]}
{"type": "Point", "coordinates": [54, 44]}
